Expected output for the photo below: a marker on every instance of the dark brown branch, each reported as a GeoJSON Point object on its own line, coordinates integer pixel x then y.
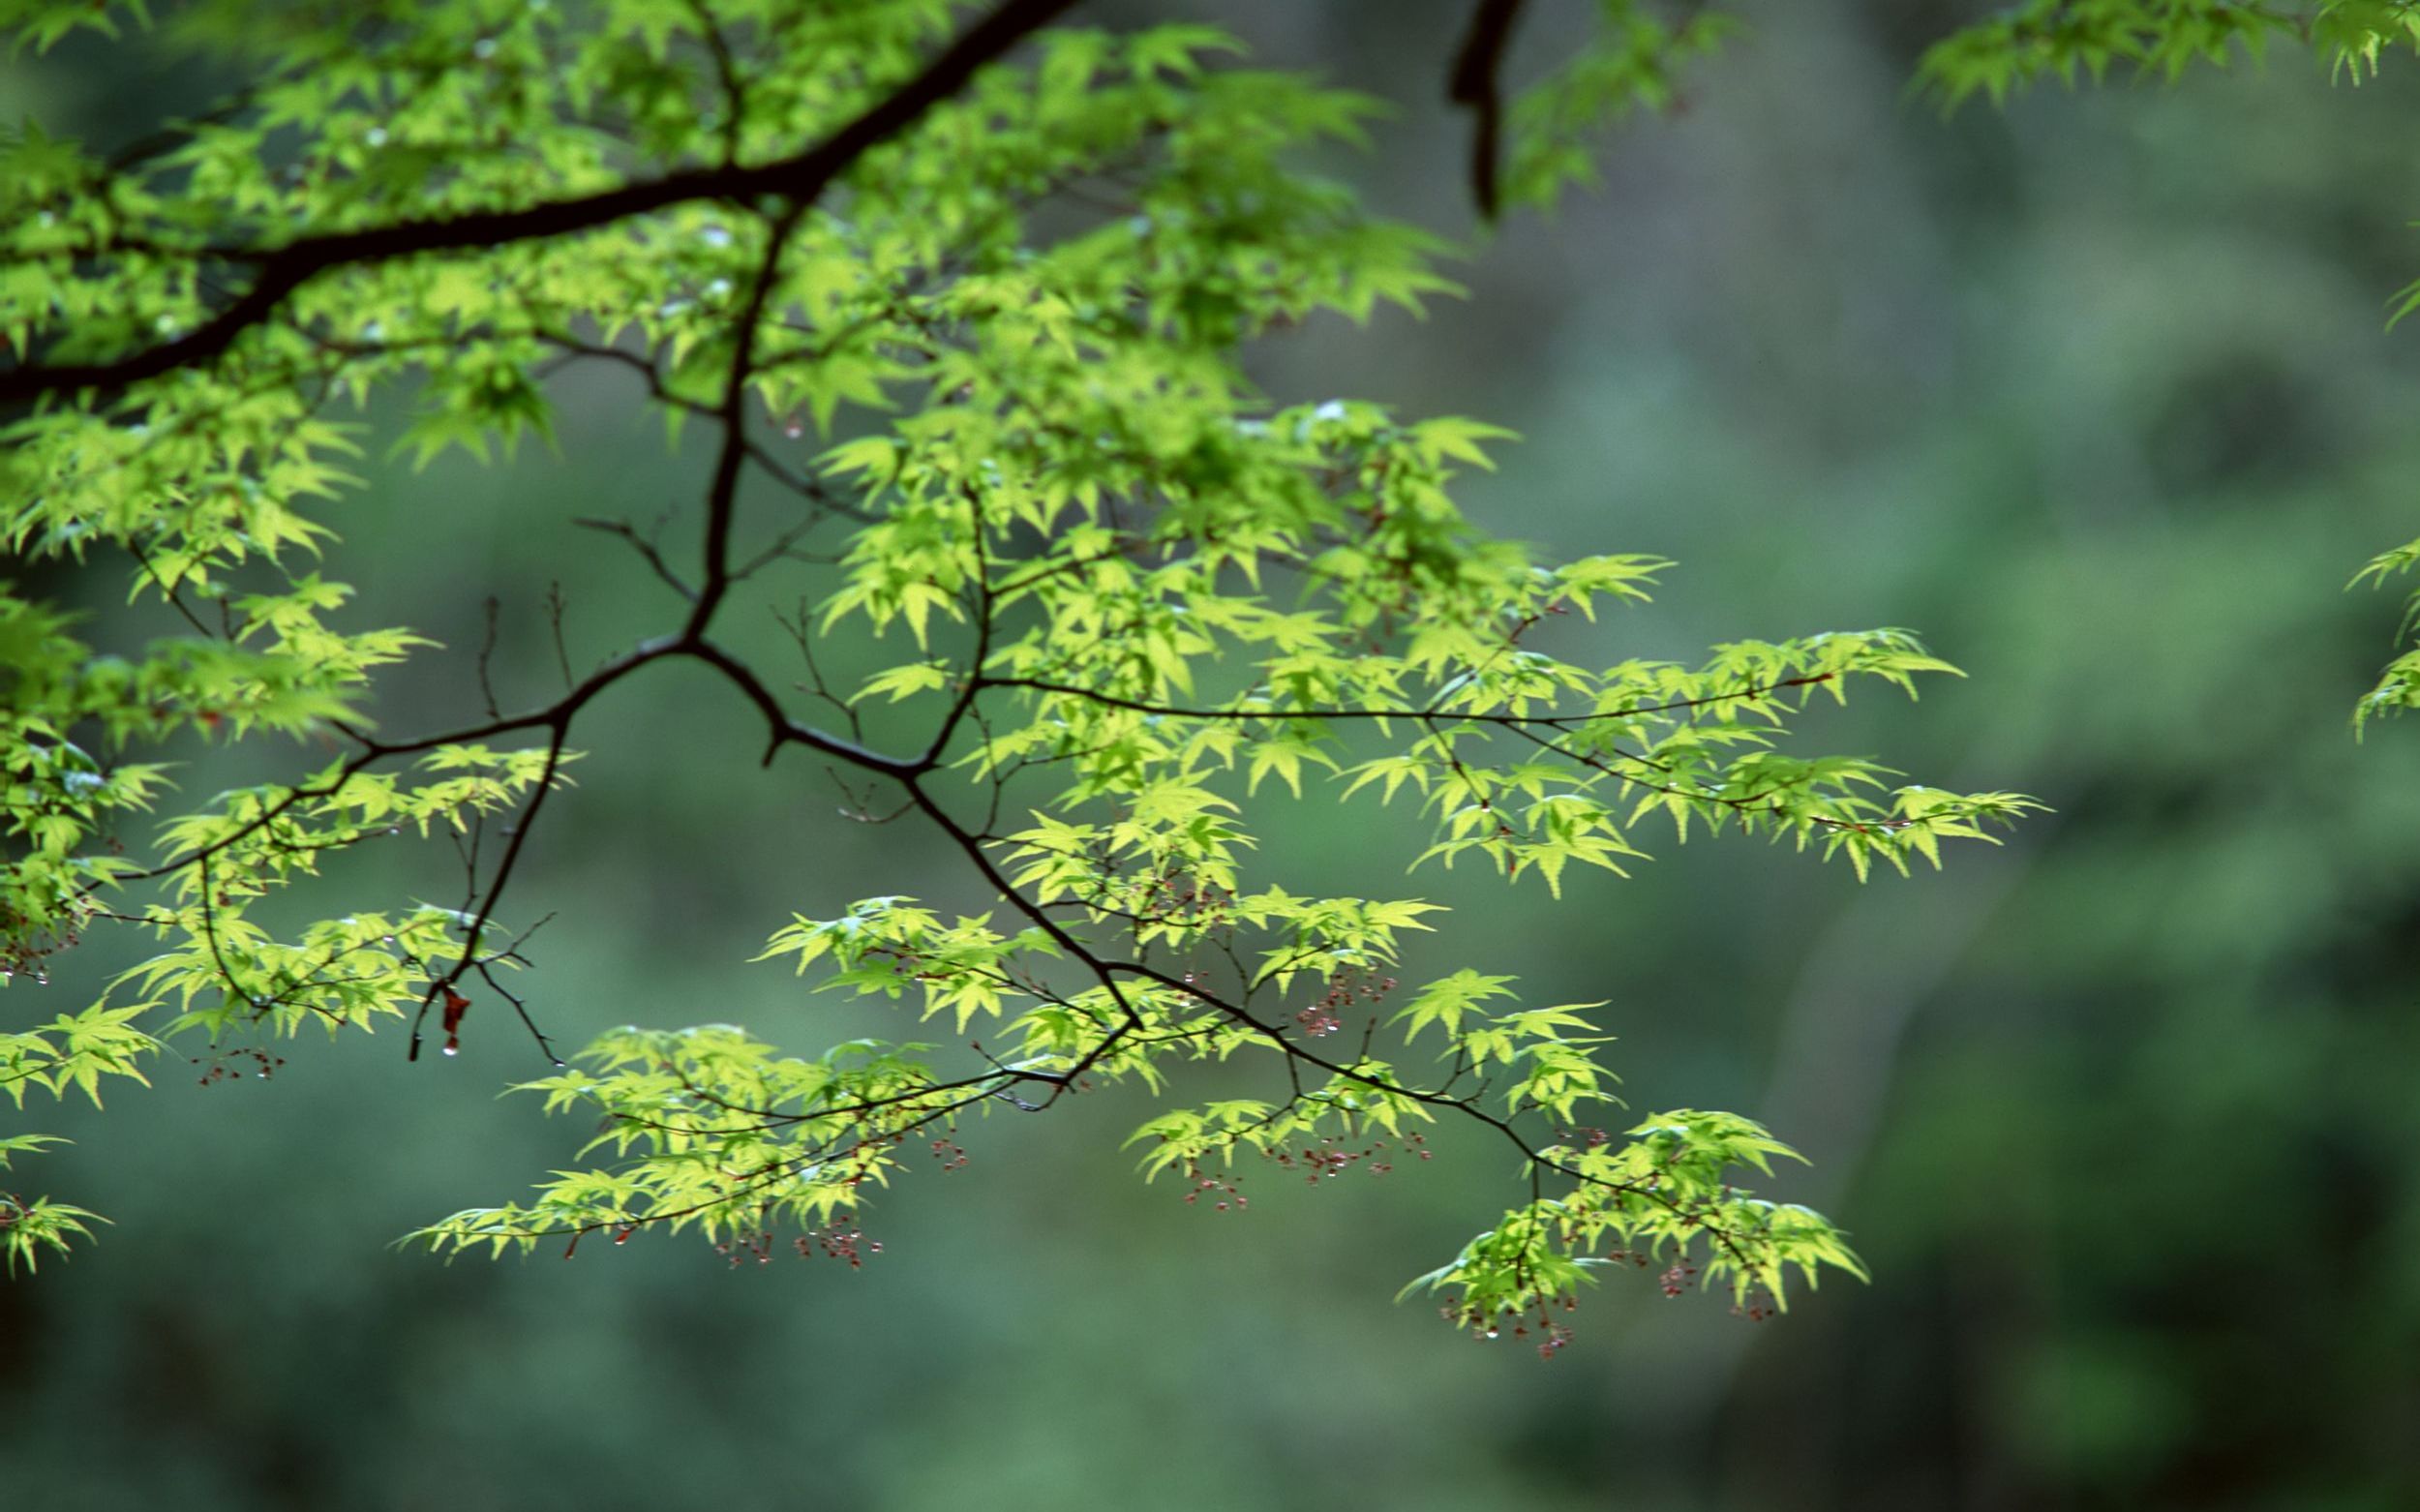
{"type": "Point", "coordinates": [810, 489]}
{"type": "Point", "coordinates": [786, 731]}
{"type": "Point", "coordinates": [545, 1047]}
{"type": "Point", "coordinates": [1473, 84]}
{"type": "Point", "coordinates": [722, 493]}
{"type": "Point", "coordinates": [168, 591]}
{"type": "Point", "coordinates": [986, 611]}
{"type": "Point", "coordinates": [1468, 1107]}
{"type": "Point", "coordinates": [645, 547]}
{"type": "Point", "coordinates": [798, 179]}
{"type": "Point", "coordinates": [727, 74]}
{"type": "Point", "coordinates": [487, 656]}
{"type": "Point", "coordinates": [486, 915]}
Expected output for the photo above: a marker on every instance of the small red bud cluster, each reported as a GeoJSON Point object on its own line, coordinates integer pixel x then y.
{"type": "Point", "coordinates": [1552, 1333]}
{"type": "Point", "coordinates": [263, 1065]}
{"type": "Point", "coordinates": [842, 1240]}
{"type": "Point", "coordinates": [868, 1153]}
{"type": "Point", "coordinates": [1181, 899]}
{"type": "Point", "coordinates": [1677, 1277]}
{"type": "Point", "coordinates": [1327, 1159]}
{"type": "Point", "coordinates": [741, 1247]}
{"type": "Point", "coordinates": [1221, 1187]}
{"type": "Point", "coordinates": [1345, 989]}
{"type": "Point", "coordinates": [1161, 895]}
{"type": "Point", "coordinates": [1318, 1020]}
{"type": "Point", "coordinates": [1558, 1335]}
{"type": "Point", "coordinates": [951, 1156]}
{"type": "Point", "coordinates": [1759, 1305]}
{"type": "Point", "coordinates": [25, 948]}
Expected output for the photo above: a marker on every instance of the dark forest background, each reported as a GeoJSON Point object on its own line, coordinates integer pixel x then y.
{"type": "Point", "coordinates": [2096, 393]}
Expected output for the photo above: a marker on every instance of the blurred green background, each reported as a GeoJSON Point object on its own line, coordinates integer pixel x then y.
{"type": "Point", "coordinates": [2095, 393]}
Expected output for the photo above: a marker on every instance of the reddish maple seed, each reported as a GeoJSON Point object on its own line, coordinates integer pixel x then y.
{"type": "Point", "coordinates": [456, 1005]}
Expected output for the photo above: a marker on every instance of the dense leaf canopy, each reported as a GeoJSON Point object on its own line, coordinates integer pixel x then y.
{"type": "Point", "coordinates": [1004, 270]}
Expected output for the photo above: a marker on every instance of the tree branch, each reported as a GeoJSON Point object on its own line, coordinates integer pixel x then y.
{"type": "Point", "coordinates": [1473, 84]}
{"type": "Point", "coordinates": [799, 178]}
